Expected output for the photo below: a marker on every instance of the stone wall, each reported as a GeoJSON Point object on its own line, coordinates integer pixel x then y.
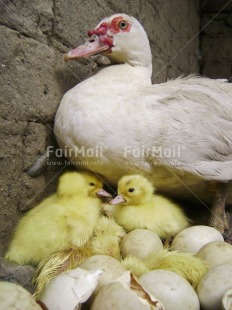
{"type": "Point", "coordinates": [34, 35]}
{"type": "Point", "coordinates": [216, 39]}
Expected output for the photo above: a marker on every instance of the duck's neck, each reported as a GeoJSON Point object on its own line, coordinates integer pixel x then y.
{"type": "Point", "coordinates": [113, 83]}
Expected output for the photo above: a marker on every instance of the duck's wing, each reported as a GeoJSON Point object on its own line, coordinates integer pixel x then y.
{"type": "Point", "coordinates": [196, 131]}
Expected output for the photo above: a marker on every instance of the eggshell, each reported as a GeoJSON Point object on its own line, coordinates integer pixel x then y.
{"type": "Point", "coordinates": [193, 238]}
{"type": "Point", "coordinates": [213, 286]}
{"type": "Point", "coordinates": [172, 290]}
{"type": "Point", "coordinates": [112, 268]}
{"type": "Point", "coordinates": [14, 296]}
{"type": "Point", "coordinates": [140, 243]}
{"type": "Point", "coordinates": [70, 289]}
{"type": "Point", "coordinates": [216, 253]}
{"type": "Point", "coordinates": [125, 293]}
{"type": "Point", "coordinates": [227, 300]}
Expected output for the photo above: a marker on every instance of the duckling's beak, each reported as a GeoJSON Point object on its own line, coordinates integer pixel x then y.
{"type": "Point", "coordinates": [102, 193]}
{"type": "Point", "coordinates": [118, 199]}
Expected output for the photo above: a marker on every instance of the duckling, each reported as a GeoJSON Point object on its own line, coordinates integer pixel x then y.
{"type": "Point", "coordinates": [136, 206]}
{"type": "Point", "coordinates": [136, 265]}
{"type": "Point", "coordinates": [186, 265]}
{"type": "Point", "coordinates": [107, 235]}
{"type": "Point", "coordinates": [62, 221]}
{"type": "Point", "coordinates": [105, 240]}
{"type": "Point", "coordinates": [58, 262]}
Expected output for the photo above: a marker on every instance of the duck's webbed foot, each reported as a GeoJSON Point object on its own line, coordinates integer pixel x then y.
{"type": "Point", "coordinates": [218, 214]}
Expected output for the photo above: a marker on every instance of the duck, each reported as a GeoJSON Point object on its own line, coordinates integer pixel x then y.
{"type": "Point", "coordinates": [64, 220]}
{"type": "Point", "coordinates": [137, 206]}
{"type": "Point", "coordinates": [177, 133]}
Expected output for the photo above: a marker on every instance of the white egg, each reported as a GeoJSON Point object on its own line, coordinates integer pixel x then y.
{"type": "Point", "coordinates": [172, 290]}
{"type": "Point", "coordinates": [227, 300]}
{"type": "Point", "coordinates": [214, 285]}
{"type": "Point", "coordinates": [216, 253]}
{"type": "Point", "coordinates": [140, 243]}
{"type": "Point", "coordinates": [14, 296]}
{"type": "Point", "coordinates": [112, 268]}
{"type": "Point", "coordinates": [191, 239]}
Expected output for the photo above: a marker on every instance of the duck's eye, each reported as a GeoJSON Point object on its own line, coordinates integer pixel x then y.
{"type": "Point", "coordinates": [131, 190]}
{"type": "Point", "coordinates": [91, 184]}
{"type": "Point", "coordinates": [123, 24]}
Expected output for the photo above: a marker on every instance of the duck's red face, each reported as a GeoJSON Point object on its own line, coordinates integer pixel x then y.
{"type": "Point", "coordinates": [101, 38]}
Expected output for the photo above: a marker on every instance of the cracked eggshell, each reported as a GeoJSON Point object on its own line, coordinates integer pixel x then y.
{"type": "Point", "coordinates": [140, 243]}
{"type": "Point", "coordinates": [112, 268]}
{"type": "Point", "coordinates": [115, 296]}
{"type": "Point", "coordinates": [213, 286]}
{"type": "Point", "coordinates": [125, 293]}
{"type": "Point", "coordinates": [191, 239]}
{"type": "Point", "coordinates": [216, 253]}
{"type": "Point", "coordinates": [14, 296]}
{"type": "Point", "coordinates": [70, 289]}
{"type": "Point", "coordinates": [227, 300]}
{"type": "Point", "coordinates": [173, 291]}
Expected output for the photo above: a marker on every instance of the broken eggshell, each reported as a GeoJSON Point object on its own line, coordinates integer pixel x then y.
{"type": "Point", "coordinates": [70, 289]}
{"type": "Point", "coordinates": [125, 293]}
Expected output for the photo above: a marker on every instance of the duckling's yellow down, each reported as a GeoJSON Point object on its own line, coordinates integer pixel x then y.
{"type": "Point", "coordinates": [105, 241]}
{"type": "Point", "coordinates": [62, 221]}
{"type": "Point", "coordinates": [140, 207]}
{"type": "Point", "coordinates": [186, 265]}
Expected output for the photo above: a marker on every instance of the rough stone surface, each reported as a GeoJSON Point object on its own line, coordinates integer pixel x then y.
{"type": "Point", "coordinates": [22, 275]}
{"type": "Point", "coordinates": [216, 44]}
{"type": "Point", "coordinates": [34, 35]}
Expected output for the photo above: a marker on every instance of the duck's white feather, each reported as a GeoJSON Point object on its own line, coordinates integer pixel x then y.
{"type": "Point", "coordinates": [178, 133]}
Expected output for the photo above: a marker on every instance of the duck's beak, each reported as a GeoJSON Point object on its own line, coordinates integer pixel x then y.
{"type": "Point", "coordinates": [118, 199]}
{"type": "Point", "coordinates": [103, 194]}
{"type": "Point", "coordinates": [93, 46]}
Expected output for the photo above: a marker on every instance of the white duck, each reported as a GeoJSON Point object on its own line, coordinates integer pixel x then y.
{"type": "Point", "coordinates": [178, 134]}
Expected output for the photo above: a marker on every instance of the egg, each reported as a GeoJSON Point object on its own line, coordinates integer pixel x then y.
{"type": "Point", "coordinates": [140, 243]}
{"type": "Point", "coordinates": [14, 296]}
{"type": "Point", "coordinates": [112, 268]}
{"type": "Point", "coordinates": [216, 253]}
{"type": "Point", "coordinates": [125, 293]}
{"type": "Point", "coordinates": [213, 286]}
{"type": "Point", "coordinates": [173, 291]}
{"type": "Point", "coordinates": [227, 300]}
{"type": "Point", "coordinates": [70, 289]}
{"type": "Point", "coordinates": [191, 239]}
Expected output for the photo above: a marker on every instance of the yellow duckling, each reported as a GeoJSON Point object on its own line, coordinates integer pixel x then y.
{"type": "Point", "coordinates": [107, 235]}
{"type": "Point", "coordinates": [64, 220]}
{"type": "Point", "coordinates": [136, 265]}
{"type": "Point", "coordinates": [186, 265]}
{"type": "Point", "coordinates": [136, 206]}
{"type": "Point", "coordinates": [105, 241]}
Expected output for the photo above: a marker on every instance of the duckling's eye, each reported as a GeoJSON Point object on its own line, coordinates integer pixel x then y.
{"type": "Point", "coordinates": [91, 184]}
{"type": "Point", "coordinates": [123, 24]}
{"type": "Point", "coordinates": [131, 190]}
